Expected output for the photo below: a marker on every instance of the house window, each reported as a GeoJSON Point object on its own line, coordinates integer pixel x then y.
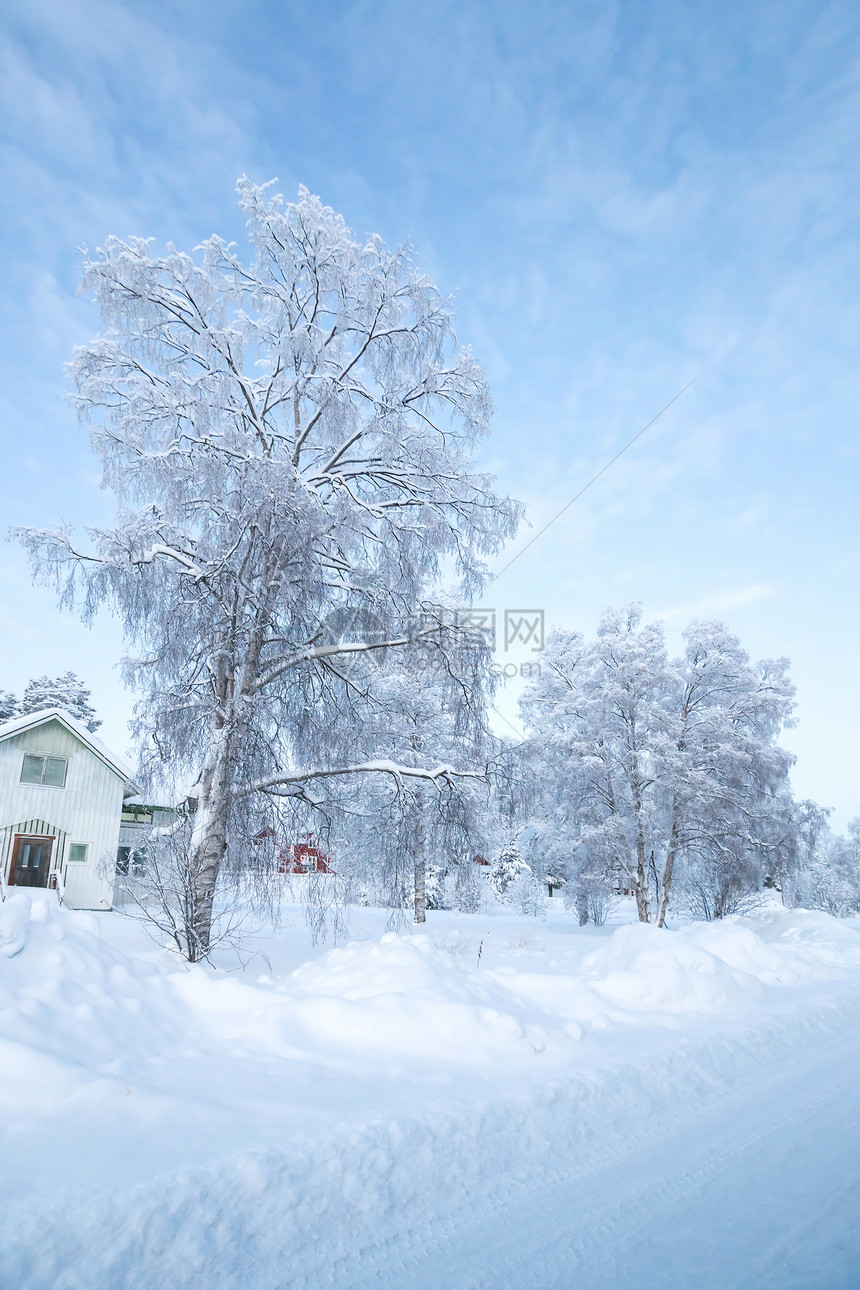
{"type": "Point", "coordinates": [44, 770]}
{"type": "Point", "coordinates": [78, 852]}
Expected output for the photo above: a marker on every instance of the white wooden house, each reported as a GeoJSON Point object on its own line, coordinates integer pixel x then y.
{"type": "Point", "coordinates": [61, 799]}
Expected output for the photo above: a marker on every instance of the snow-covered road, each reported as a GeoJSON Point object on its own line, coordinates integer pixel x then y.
{"type": "Point", "coordinates": [762, 1191]}
{"type": "Point", "coordinates": [569, 1108]}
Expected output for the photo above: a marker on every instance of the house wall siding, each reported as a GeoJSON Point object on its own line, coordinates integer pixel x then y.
{"type": "Point", "coordinates": [86, 810]}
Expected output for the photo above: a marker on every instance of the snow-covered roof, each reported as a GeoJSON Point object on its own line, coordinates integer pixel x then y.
{"type": "Point", "coordinates": [155, 801]}
{"type": "Point", "coordinates": [16, 725]}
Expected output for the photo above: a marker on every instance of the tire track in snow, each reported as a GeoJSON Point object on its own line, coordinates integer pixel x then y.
{"type": "Point", "coordinates": [457, 1197]}
{"type": "Point", "coordinates": [512, 1241]}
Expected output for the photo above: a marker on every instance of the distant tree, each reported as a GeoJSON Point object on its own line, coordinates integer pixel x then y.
{"type": "Point", "coordinates": [732, 815]}
{"type": "Point", "coordinates": [513, 880]}
{"type": "Point", "coordinates": [288, 439]}
{"type": "Point", "coordinates": [591, 892]}
{"type": "Point", "coordinates": [67, 691]}
{"type": "Point", "coordinates": [507, 869]}
{"type": "Point", "coordinates": [596, 722]}
{"type": "Point", "coordinates": [810, 836]}
{"type": "Point", "coordinates": [420, 831]}
{"type": "Point", "coordinates": [8, 705]}
{"type": "Point", "coordinates": [656, 770]}
{"type": "Point", "coordinates": [829, 876]}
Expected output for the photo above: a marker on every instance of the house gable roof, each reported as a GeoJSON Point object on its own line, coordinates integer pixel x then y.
{"type": "Point", "coordinates": [17, 725]}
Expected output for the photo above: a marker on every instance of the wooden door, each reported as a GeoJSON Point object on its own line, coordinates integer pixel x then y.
{"type": "Point", "coordinates": [31, 860]}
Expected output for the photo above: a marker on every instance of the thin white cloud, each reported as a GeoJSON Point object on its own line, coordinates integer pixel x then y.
{"type": "Point", "coordinates": [718, 602]}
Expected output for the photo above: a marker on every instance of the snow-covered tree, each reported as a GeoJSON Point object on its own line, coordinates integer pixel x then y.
{"type": "Point", "coordinates": [731, 810]}
{"type": "Point", "coordinates": [527, 892]}
{"type": "Point", "coordinates": [422, 714]}
{"type": "Point", "coordinates": [811, 836]}
{"type": "Point", "coordinates": [507, 867]}
{"type": "Point", "coordinates": [288, 440]}
{"type": "Point", "coordinates": [596, 721]}
{"type": "Point", "coordinates": [655, 768]}
{"type": "Point", "coordinates": [67, 691]}
{"type": "Point", "coordinates": [8, 705]}
{"type": "Point", "coordinates": [828, 875]}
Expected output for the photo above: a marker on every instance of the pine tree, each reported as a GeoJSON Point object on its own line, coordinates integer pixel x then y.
{"type": "Point", "coordinates": [67, 692]}
{"type": "Point", "coordinates": [8, 705]}
{"type": "Point", "coordinates": [508, 867]}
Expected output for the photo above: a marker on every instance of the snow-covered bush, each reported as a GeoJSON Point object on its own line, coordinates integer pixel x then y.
{"type": "Point", "coordinates": [527, 893]}
{"type": "Point", "coordinates": [706, 890]}
{"type": "Point", "coordinates": [158, 885]}
{"type": "Point", "coordinates": [434, 887]}
{"type": "Point", "coordinates": [591, 896]}
{"type": "Point", "coordinates": [829, 889]}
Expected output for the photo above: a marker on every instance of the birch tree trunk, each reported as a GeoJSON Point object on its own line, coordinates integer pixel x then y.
{"type": "Point", "coordinates": [235, 678]}
{"type": "Point", "coordinates": [643, 901]}
{"type": "Point", "coordinates": [420, 890]}
{"type": "Point", "coordinates": [420, 872]}
{"type": "Point", "coordinates": [668, 869]}
{"type": "Point", "coordinates": [208, 848]}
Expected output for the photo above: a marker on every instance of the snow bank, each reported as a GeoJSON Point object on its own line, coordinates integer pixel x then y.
{"type": "Point", "coordinates": [68, 997]}
{"type": "Point", "coordinates": [74, 1010]}
{"type": "Point", "coordinates": [711, 966]}
{"type": "Point", "coordinates": [382, 1076]}
{"type": "Point", "coordinates": [406, 998]}
{"type": "Point", "coordinates": [14, 917]}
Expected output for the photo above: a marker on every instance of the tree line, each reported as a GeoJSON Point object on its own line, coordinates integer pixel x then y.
{"type": "Point", "coordinates": [290, 438]}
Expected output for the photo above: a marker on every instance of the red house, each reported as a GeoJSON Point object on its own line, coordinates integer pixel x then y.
{"type": "Point", "coordinates": [298, 857]}
{"type": "Point", "coordinates": [303, 857]}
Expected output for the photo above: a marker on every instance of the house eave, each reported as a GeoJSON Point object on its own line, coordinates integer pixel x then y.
{"type": "Point", "coordinates": [18, 725]}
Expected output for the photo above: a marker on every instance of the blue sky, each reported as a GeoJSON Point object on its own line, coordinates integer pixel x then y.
{"type": "Point", "coordinates": [623, 196]}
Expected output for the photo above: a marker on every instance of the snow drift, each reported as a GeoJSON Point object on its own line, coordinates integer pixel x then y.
{"type": "Point", "coordinates": [213, 1118]}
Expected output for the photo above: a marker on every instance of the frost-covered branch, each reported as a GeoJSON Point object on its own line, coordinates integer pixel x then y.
{"type": "Point", "coordinates": [382, 766]}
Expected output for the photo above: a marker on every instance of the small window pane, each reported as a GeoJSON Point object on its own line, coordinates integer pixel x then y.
{"type": "Point", "coordinates": [33, 770]}
{"type": "Point", "coordinates": [78, 852]}
{"type": "Point", "coordinates": [55, 772]}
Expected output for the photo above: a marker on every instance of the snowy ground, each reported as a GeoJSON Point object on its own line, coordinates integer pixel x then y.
{"type": "Point", "coordinates": [502, 1101]}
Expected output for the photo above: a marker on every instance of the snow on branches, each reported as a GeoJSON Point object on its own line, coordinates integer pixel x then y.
{"type": "Point", "coordinates": [287, 438]}
{"type": "Point", "coordinates": [67, 692]}
{"type": "Point", "coordinates": [660, 773]}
